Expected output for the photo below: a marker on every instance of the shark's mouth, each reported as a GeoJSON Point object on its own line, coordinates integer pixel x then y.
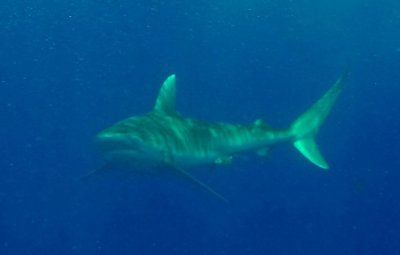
{"type": "Point", "coordinates": [116, 142]}
{"type": "Point", "coordinates": [117, 148]}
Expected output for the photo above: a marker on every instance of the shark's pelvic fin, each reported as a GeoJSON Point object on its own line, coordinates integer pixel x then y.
{"type": "Point", "coordinates": [305, 128]}
{"type": "Point", "coordinates": [224, 160]}
{"type": "Point", "coordinates": [165, 102]}
{"type": "Point", "coordinates": [200, 184]}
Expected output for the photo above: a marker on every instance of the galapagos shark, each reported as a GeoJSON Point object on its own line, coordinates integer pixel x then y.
{"type": "Point", "coordinates": [163, 137]}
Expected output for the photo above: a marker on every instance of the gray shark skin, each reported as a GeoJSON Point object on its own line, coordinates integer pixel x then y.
{"type": "Point", "coordinates": [164, 137]}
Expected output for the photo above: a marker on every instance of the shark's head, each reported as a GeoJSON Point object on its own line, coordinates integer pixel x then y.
{"type": "Point", "coordinates": [138, 139]}
{"type": "Point", "coordinates": [127, 143]}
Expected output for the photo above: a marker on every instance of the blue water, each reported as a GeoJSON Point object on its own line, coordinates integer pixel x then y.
{"type": "Point", "coordinates": [71, 68]}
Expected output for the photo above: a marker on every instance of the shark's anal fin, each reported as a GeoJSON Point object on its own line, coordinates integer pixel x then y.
{"type": "Point", "coordinates": [263, 152]}
{"type": "Point", "coordinates": [200, 184]}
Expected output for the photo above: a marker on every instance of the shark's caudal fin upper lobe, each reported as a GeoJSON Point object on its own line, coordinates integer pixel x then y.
{"type": "Point", "coordinates": [305, 127]}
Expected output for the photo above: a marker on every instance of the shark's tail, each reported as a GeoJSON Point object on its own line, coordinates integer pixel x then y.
{"type": "Point", "coordinates": [305, 128]}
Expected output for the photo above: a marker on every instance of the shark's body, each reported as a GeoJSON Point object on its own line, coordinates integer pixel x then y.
{"type": "Point", "coordinates": [164, 137]}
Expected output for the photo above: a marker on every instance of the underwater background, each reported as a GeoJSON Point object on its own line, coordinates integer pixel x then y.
{"type": "Point", "coordinates": [69, 69]}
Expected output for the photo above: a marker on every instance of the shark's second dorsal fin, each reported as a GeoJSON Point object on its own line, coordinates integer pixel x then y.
{"type": "Point", "coordinates": [260, 123]}
{"type": "Point", "coordinates": [165, 102]}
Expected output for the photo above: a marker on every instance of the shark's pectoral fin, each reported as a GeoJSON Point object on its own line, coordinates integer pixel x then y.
{"type": "Point", "coordinates": [200, 183]}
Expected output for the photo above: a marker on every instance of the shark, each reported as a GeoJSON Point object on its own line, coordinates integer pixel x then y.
{"type": "Point", "coordinates": [163, 137]}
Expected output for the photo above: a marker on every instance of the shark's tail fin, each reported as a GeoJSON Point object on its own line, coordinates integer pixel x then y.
{"type": "Point", "coordinates": [305, 127]}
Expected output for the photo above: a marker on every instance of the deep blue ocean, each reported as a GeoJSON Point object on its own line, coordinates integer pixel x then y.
{"type": "Point", "coordinates": [69, 69]}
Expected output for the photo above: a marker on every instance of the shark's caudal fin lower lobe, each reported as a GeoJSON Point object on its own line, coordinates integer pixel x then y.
{"type": "Point", "coordinates": [305, 128]}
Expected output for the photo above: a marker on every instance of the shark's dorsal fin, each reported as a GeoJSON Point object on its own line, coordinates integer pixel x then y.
{"type": "Point", "coordinates": [165, 102]}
